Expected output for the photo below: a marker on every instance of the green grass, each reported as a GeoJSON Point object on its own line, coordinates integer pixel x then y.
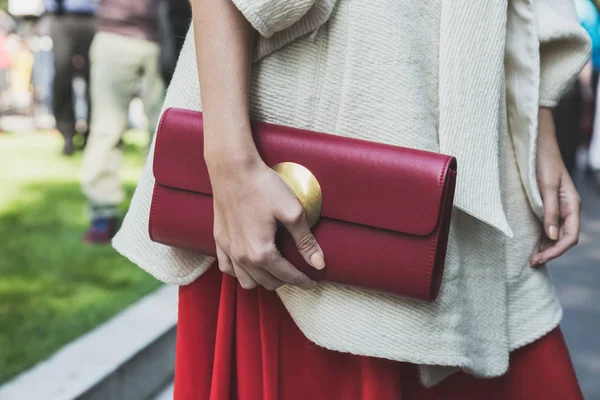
{"type": "Point", "coordinates": [53, 288]}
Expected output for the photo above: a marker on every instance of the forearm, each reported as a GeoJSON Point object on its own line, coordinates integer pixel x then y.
{"type": "Point", "coordinates": [585, 76]}
{"type": "Point", "coordinates": [585, 81]}
{"type": "Point", "coordinates": [224, 41]}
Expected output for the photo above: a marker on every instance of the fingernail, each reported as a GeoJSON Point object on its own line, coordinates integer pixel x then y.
{"type": "Point", "coordinates": [553, 232]}
{"type": "Point", "coordinates": [317, 260]}
{"type": "Point", "coordinates": [535, 262]}
{"type": "Point", "coordinates": [541, 261]}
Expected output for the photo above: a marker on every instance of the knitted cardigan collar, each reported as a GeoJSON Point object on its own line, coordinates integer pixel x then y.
{"type": "Point", "coordinates": [467, 29]}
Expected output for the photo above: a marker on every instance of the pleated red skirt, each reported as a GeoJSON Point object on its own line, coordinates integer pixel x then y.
{"type": "Point", "coordinates": [239, 344]}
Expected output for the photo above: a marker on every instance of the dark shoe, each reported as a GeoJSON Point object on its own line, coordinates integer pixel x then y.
{"type": "Point", "coordinates": [596, 178]}
{"type": "Point", "coordinates": [101, 230]}
{"type": "Point", "coordinates": [68, 148]}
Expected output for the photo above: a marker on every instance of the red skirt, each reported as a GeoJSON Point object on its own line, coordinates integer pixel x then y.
{"type": "Point", "coordinates": [239, 344]}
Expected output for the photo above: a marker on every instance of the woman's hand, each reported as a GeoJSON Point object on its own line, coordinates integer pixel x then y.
{"type": "Point", "coordinates": [250, 199]}
{"type": "Point", "coordinates": [562, 203]}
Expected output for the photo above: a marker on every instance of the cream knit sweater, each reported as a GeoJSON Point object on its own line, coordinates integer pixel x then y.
{"type": "Point", "coordinates": [462, 77]}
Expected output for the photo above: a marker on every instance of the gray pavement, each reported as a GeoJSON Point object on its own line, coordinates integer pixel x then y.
{"type": "Point", "coordinates": [577, 279]}
{"type": "Point", "coordinates": [167, 394]}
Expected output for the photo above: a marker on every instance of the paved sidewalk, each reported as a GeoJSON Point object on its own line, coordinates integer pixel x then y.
{"type": "Point", "coordinates": [166, 395]}
{"type": "Point", "coordinates": [577, 279]}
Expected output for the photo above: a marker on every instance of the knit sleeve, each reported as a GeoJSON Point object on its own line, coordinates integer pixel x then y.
{"type": "Point", "coordinates": [564, 48]}
{"type": "Point", "coordinates": [269, 17]}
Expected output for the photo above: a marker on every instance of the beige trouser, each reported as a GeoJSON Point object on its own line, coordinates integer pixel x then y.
{"type": "Point", "coordinates": [118, 63]}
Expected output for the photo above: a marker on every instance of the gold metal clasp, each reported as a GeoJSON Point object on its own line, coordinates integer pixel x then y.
{"type": "Point", "coordinates": [305, 186]}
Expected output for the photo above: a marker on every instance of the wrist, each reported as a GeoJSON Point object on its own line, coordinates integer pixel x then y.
{"type": "Point", "coordinates": [227, 160]}
{"type": "Point", "coordinates": [545, 123]}
{"type": "Point", "coordinates": [228, 143]}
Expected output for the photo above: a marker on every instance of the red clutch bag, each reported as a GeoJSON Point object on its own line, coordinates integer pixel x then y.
{"type": "Point", "coordinates": [385, 211]}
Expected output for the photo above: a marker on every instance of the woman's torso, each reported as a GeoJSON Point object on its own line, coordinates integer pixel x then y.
{"type": "Point", "coordinates": [372, 72]}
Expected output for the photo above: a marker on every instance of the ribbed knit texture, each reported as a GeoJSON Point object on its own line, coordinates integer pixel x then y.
{"type": "Point", "coordinates": [376, 70]}
{"type": "Point", "coordinates": [280, 22]}
{"type": "Point", "coordinates": [556, 37]}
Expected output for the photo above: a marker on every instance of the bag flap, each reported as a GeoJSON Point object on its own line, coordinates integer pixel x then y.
{"type": "Point", "coordinates": [368, 183]}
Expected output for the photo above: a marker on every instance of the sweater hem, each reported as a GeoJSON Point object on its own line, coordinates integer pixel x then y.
{"type": "Point", "coordinates": [165, 276]}
{"type": "Point", "coordinates": [539, 333]}
{"type": "Point", "coordinates": [441, 353]}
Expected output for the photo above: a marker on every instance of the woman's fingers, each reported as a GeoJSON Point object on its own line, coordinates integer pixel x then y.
{"type": "Point", "coordinates": [253, 263]}
{"type": "Point", "coordinates": [245, 279]}
{"type": "Point", "coordinates": [277, 271]}
{"type": "Point", "coordinates": [561, 201]}
{"type": "Point", "coordinates": [263, 277]}
{"type": "Point", "coordinates": [568, 238]}
{"type": "Point", "coordinates": [550, 198]}
{"type": "Point", "coordinates": [283, 270]}
{"type": "Point", "coordinates": [295, 222]}
{"type": "Point", "coordinates": [224, 262]}
{"type": "Point", "coordinates": [569, 213]}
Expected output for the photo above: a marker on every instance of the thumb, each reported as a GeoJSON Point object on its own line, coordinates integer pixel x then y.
{"type": "Point", "coordinates": [551, 210]}
{"type": "Point", "coordinates": [307, 245]}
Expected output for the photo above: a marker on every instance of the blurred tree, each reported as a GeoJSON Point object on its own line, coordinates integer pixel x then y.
{"type": "Point", "coordinates": [3, 5]}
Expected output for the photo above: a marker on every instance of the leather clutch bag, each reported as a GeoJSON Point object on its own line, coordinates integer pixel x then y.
{"type": "Point", "coordinates": [382, 213]}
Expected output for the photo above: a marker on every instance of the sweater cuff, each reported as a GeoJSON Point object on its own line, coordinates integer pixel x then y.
{"type": "Point", "coordinates": [565, 48]}
{"type": "Point", "coordinates": [271, 16]}
{"type": "Point", "coordinates": [560, 63]}
{"type": "Point", "coordinates": [548, 103]}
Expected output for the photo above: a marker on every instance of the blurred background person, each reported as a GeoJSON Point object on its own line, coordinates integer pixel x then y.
{"type": "Point", "coordinates": [20, 63]}
{"type": "Point", "coordinates": [589, 15]}
{"type": "Point", "coordinates": [124, 53]}
{"type": "Point", "coordinates": [174, 20]}
{"type": "Point", "coordinates": [25, 13]}
{"type": "Point", "coordinates": [43, 75]}
{"type": "Point", "coordinates": [4, 64]}
{"type": "Point", "coordinates": [36, 31]}
{"type": "Point", "coordinates": [72, 28]}
{"type": "Point", "coordinates": [21, 68]}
